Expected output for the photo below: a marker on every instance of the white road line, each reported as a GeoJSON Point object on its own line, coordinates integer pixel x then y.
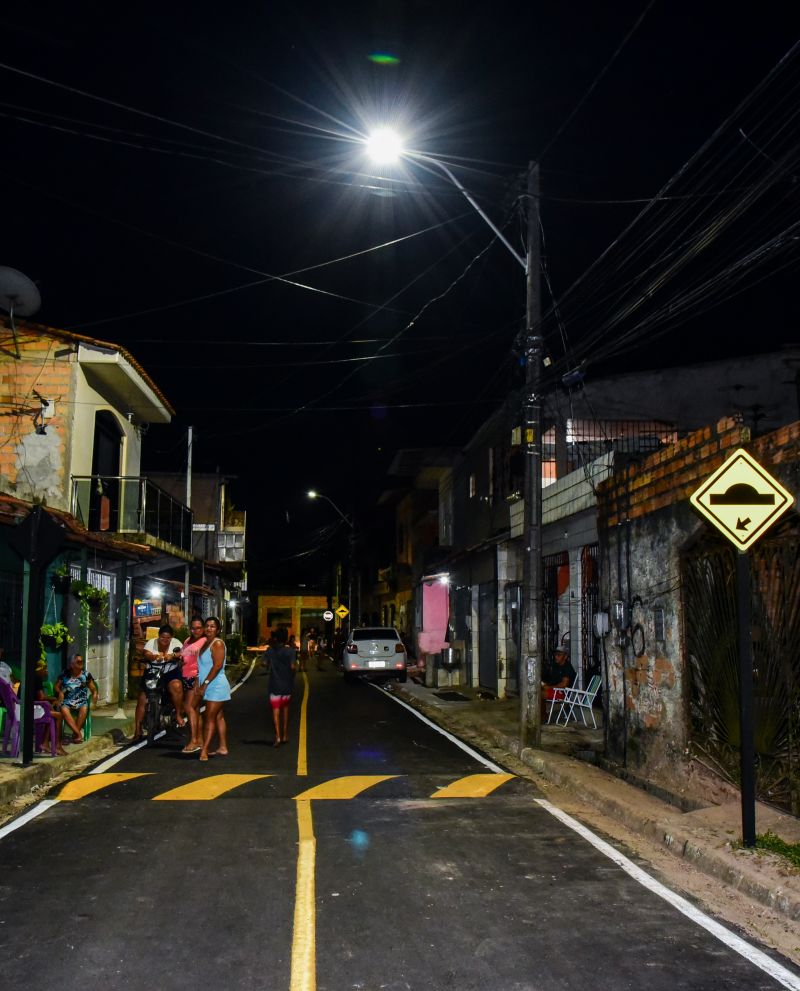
{"type": "Point", "coordinates": [37, 810]}
{"type": "Point", "coordinates": [244, 678]}
{"type": "Point", "coordinates": [496, 769]}
{"type": "Point", "coordinates": [125, 752]}
{"type": "Point", "coordinates": [731, 940]}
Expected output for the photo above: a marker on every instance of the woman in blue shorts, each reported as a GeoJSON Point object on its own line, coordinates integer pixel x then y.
{"type": "Point", "coordinates": [214, 689]}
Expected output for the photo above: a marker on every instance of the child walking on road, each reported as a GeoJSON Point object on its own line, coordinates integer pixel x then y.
{"type": "Point", "coordinates": [281, 681]}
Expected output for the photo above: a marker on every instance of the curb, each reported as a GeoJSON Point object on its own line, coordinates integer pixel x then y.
{"type": "Point", "coordinates": [724, 864]}
{"type": "Point", "coordinates": [25, 779]}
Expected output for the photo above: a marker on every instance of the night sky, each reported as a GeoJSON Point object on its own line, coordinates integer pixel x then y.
{"type": "Point", "coordinates": [162, 164]}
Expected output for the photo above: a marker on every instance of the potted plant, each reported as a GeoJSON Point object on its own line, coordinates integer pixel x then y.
{"type": "Point", "coordinates": [52, 635]}
{"type": "Point", "coordinates": [60, 578]}
{"type": "Point", "coordinates": [92, 599]}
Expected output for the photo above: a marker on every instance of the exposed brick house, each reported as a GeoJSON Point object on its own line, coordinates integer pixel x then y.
{"type": "Point", "coordinates": [672, 679]}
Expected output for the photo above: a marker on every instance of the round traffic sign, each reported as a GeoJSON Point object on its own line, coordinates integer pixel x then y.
{"type": "Point", "coordinates": [327, 616]}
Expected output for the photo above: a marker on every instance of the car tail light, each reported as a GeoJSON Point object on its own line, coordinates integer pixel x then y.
{"type": "Point", "coordinates": [400, 665]}
{"type": "Point", "coordinates": [354, 667]}
{"type": "Point", "coordinates": [352, 648]}
{"type": "Point", "coordinates": [399, 648]}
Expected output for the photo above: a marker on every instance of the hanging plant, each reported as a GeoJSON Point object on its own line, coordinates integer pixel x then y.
{"type": "Point", "coordinates": [92, 599]}
{"type": "Point", "coordinates": [52, 636]}
{"type": "Point", "coordinates": [60, 578]}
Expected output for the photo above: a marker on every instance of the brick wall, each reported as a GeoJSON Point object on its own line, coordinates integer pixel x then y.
{"type": "Point", "coordinates": [670, 475]}
{"type": "Point", "coordinates": [35, 466]}
{"type": "Point", "coordinates": [645, 522]}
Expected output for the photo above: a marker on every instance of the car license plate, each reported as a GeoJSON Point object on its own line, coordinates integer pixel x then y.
{"type": "Point", "coordinates": [376, 664]}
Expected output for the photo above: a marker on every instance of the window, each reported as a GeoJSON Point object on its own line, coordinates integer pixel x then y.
{"type": "Point", "coordinates": [473, 486]}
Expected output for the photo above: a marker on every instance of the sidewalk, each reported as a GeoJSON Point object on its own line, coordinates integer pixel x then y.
{"type": "Point", "coordinates": [705, 833]}
{"type": "Point", "coordinates": [107, 732]}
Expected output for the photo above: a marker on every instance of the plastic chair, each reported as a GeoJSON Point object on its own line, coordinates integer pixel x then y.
{"type": "Point", "coordinates": [557, 699]}
{"type": "Point", "coordinates": [87, 726]}
{"type": "Point", "coordinates": [580, 699]}
{"type": "Point", "coordinates": [42, 718]}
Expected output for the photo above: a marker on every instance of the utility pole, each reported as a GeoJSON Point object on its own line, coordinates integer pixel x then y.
{"type": "Point", "coordinates": [530, 673]}
{"type": "Point", "coordinates": [187, 608]}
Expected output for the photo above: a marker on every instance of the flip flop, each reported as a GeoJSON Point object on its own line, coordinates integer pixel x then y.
{"type": "Point", "coordinates": [190, 750]}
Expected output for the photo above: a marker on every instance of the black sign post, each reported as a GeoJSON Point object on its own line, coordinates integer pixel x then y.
{"type": "Point", "coordinates": [747, 759]}
{"type": "Point", "coordinates": [38, 539]}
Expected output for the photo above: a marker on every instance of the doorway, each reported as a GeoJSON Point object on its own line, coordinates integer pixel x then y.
{"type": "Point", "coordinates": [487, 636]}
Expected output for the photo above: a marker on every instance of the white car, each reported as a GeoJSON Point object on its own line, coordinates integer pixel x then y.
{"type": "Point", "coordinates": [374, 652]}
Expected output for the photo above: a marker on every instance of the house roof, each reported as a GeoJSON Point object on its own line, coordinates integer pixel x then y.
{"type": "Point", "coordinates": [68, 335]}
{"type": "Point", "coordinates": [14, 511]}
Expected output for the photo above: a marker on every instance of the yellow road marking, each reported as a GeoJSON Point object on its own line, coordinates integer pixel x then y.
{"type": "Point", "coordinates": [80, 787]}
{"type": "Point", "coordinates": [347, 787]}
{"type": "Point", "coordinates": [302, 735]}
{"type": "Point", "coordinates": [473, 786]}
{"type": "Point", "coordinates": [206, 789]}
{"type": "Point", "coordinates": [304, 954]}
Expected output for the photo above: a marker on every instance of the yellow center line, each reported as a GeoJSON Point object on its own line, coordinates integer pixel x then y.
{"type": "Point", "coordinates": [346, 787]}
{"type": "Point", "coordinates": [206, 789]}
{"type": "Point", "coordinates": [80, 787]}
{"type": "Point", "coordinates": [304, 954]}
{"type": "Point", "coordinates": [473, 786]}
{"type": "Point", "coordinates": [302, 735]}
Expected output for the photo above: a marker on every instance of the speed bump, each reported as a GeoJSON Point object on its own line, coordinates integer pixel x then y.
{"type": "Point", "coordinates": [473, 786]}
{"type": "Point", "coordinates": [81, 787]}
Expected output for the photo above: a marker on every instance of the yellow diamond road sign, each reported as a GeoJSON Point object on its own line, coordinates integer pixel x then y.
{"type": "Point", "coordinates": [342, 611]}
{"type": "Point", "coordinates": [742, 499]}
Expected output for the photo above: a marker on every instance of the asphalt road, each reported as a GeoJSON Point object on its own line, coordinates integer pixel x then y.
{"type": "Point", "coordinates": [329, 864]}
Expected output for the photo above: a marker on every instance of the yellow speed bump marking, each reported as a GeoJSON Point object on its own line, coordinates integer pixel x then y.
{"type": "Point", "coordinates": [347, 787]}
{"type": "Point", "coordinates": [207, 788]}
{"type": "Point", "coordinates": [304, 937]}
{"type": "Point", "coordinates": [473, 786]}
{"type": "Point", "coordinates": [81, 787]}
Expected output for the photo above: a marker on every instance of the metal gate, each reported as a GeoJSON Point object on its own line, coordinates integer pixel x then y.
{"type": "Point", "coordinates": [713, 665]}
{"type": "Point", "coordinates": [590, 604]}
{"type": "Point", "coordinates": [550, 637]}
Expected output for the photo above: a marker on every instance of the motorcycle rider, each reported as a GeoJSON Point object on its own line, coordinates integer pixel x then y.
{"type": "Point", "coordinates": [160, 650]}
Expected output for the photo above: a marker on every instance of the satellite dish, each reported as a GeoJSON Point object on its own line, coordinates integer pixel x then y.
{"type": "Point", "coordinates": [18, 296]}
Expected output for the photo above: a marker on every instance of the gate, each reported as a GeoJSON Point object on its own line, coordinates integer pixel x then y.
{"type": "Point", "coordinates": [713, 665]}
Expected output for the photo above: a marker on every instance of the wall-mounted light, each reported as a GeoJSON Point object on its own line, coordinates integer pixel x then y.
{"type": "Point", "coordinates": [155, 592]}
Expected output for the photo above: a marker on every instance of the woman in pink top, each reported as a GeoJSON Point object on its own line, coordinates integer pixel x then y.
{"type": "Point", "coordinates": [192, 646]}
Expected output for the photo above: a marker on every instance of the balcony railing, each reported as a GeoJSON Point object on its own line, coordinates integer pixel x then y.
{"type": "Point", "coordinates": [132, 505]}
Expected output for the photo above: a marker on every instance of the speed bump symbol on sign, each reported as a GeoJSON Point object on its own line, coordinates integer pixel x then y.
{"type": "Point", "coordinates": [741, 499]}
{"type": "Point", "coordinates": [342, 611]}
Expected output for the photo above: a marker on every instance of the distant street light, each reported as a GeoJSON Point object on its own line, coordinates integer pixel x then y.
{"type": "Point", "coordinates": [385, 146]}
{"type": "Point", "coordinates": [313, 494]}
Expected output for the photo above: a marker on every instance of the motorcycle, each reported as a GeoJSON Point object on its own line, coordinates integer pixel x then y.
{"type": "Point", "coordinates": [159, 713]}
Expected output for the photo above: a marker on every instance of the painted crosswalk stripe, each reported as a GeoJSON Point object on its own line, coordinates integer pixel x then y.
{"type": "Point", "coordinates": [347, 787]}
{"type": "Point", "coordinates": [473, 786]}
{"type": "Point", "coordinates": [81, 787]}
{"type": "Point", "coordinates": [207, 789]}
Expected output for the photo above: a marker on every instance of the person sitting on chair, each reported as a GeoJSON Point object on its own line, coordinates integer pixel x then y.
{"type": "Point", "coordinates": [73, 687]}
{"type": "Point", "coordinates": [556, 676]}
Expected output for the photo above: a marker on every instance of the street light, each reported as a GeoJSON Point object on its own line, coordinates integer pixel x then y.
{"type": "Point", "coordinates": [313, 494]}
{"type": "Point", "coordinates": [385, 146]}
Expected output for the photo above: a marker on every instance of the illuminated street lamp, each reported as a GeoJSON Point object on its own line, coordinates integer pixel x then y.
{"type": "Point", "coordinates": [313, 494]}
{"type": "Point", "coordinates": [385, 147]}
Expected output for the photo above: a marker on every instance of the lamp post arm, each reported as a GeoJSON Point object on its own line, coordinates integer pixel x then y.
{"type": "Point", "coordinates": [348, 521]}
{"type": "Point", "coordinates": [473, 203]}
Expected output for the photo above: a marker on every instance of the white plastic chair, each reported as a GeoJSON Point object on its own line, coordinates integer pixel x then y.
{"type": "Point", "coordinates": [580, 699]}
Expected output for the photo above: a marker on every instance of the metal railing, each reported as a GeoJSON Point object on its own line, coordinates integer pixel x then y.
{"type": "Point", "coordinates": [131, 504]}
